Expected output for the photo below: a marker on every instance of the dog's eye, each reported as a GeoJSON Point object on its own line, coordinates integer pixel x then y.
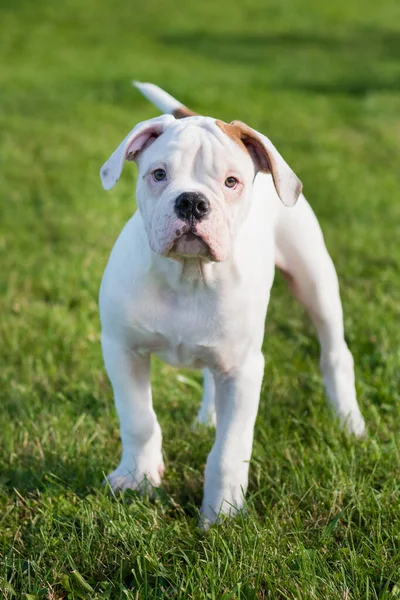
{"type": "Point", "coordinates": [231, 182]}
{"type": "Point", "coordinates": [159, 175]}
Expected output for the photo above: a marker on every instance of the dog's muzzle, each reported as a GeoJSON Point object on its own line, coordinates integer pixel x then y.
{"type": "Point", "coordinates": [192, 207]}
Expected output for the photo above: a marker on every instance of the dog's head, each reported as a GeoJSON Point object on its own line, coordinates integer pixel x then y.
{"type": "Point", "coordinates": [195, 179]}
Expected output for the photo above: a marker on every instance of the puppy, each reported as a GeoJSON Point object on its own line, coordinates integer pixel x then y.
{"type": "Point", "coordinates": [189, 280]}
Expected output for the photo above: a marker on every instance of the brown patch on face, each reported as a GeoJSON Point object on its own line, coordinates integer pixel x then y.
{"type": "Point", "coordinates": [182, 112]}
{"type": "Point", "coordinates": [242, 135]}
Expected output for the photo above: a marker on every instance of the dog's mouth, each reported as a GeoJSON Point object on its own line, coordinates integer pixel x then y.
{"type": "Point", "coordinates": [191, 245]}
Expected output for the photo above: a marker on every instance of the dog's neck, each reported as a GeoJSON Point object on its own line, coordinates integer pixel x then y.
{"type": "Point", "coordinates": [187, 273]}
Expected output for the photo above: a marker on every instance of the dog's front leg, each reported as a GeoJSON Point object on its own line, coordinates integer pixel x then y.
{"type": "Point", "coordinates": [226, 475]}
{"type": "Point", "coordinates": [141, 461]}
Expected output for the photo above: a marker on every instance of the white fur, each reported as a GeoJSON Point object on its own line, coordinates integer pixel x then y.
{"type": "Point", "coordinates": [209, 313]}
{"type": "Point", "coordinates": [164, 101]}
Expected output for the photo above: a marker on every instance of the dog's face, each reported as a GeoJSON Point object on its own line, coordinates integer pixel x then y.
{"type": "Point", "coordinates": [194, 188]}
{"type": "Point", "coordinates": [195, 179]}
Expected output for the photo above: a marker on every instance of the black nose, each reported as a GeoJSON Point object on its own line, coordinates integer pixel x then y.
{"type": "Point", "coordinates": [192, 206]}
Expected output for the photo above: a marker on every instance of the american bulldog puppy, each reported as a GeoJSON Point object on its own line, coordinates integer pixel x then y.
{"type": "Point", "coordinates": [189, 280]}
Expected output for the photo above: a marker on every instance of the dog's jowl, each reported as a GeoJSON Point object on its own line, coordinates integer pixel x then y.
{"type": "Point", "coordinates": [189, 280]}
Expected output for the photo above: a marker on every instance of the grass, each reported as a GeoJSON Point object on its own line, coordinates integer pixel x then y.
{"type": "Point", "coordinates": [323, 511]}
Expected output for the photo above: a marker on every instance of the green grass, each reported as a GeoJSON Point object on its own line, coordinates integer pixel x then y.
{"type": "Point", "coordinates": [322, 79]}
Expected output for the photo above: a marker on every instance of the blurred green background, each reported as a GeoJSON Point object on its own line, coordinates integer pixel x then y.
{"type": "Point", "coordinates": [322, 80]}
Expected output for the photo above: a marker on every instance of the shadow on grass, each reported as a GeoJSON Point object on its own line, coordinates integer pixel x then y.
{"type": "Point", "coordinates": [56, 474]}
{"type": "Point", "coordinates": [342, 62]}
{"type": "Point", "coordinates": [180, 495]}
{"type": "Point", "coordinates": [50, 473]}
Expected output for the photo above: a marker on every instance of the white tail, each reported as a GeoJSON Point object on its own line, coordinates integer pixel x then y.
{"type": "Point", "coordinates": [164, 101]}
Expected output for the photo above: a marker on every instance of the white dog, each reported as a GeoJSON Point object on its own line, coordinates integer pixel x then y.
{"type": "Point", "coordinates": [189, 280]}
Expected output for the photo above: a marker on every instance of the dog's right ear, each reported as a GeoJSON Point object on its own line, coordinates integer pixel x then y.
{"type": "Point", "coordinates": [141, 136]}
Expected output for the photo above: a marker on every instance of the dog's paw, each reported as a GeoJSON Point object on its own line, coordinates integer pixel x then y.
{"type": "Point", "coordinates": [124, 478]}
{"type": "Point", "coordinates": [224, 497]}
{"type": "Point", "coordinates": [210, 515]}
{"type": "Point", "coordinates": [355, 425]}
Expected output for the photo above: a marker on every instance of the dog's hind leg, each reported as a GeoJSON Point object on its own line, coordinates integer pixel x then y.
{"type": "Point", "coordinates": [206, 414]}
{"type": "Point", "coordinates": [302, 256]}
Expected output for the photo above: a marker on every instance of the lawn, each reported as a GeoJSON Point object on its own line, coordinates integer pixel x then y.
{"type": "Point", "coordinates": [322, 80]}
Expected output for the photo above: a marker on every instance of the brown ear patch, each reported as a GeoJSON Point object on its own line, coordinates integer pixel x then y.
{"type": "Point", "coordinates": [242, 135]}
{"type": "Point", "coordinates": [265, 158]}
{"type": "Point", "coordinates": [182, 112]}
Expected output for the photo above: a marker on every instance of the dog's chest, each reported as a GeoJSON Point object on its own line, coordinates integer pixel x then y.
{"type": "Point", "coordinates": [189, 327]}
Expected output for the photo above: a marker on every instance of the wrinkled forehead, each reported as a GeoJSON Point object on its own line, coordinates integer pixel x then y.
{"type": "Point", "coordinates": [197, 139]}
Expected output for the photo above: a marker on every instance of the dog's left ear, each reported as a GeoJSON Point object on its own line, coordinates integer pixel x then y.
{"type": "Point", "coordinates": [141, 136]}
{"type": "Point", "coordinates": [266, 158]}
